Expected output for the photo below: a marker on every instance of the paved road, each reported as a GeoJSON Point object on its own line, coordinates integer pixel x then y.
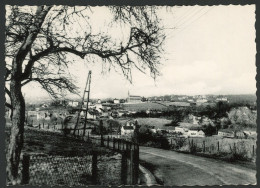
{"type": "Point", "coordinates": [173, 168]}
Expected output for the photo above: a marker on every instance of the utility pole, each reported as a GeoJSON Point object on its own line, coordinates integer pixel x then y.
{"type": "Point", "coordinates": [86, 90]}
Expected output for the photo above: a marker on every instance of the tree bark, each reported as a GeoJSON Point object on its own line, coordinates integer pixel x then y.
{"type": "Point", "coordinates": [16, 137]}
{"type": "Point", "coordinates": [17, 100]}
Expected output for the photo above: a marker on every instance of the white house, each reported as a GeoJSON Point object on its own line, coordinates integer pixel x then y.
{"type": "Point", "coordinates": [116, 101]}
{"type": "Point", "coordinates": [195, 133]}
{"type": "Point", "coordinates": [182, 130]}
{"type": "Point", "coordinates": [127, 130]}
{"type": "Point", "coordinates": [226, 133]}
{"type": "Point", "coordinates": [89, 116]}
{"type": "Point", "coordinates": [222, 99]}
{"type": "Point", "coordinates": [73, 103]}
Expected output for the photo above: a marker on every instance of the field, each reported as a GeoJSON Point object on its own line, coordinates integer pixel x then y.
{"type": "Point", "coordinates": [156, 122]}
{"type": "Point", "coordinates": [51, 143]}
{"type": "Point", "coordinates": [144, 106]}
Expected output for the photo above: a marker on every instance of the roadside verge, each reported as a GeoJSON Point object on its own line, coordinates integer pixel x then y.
{"type": "Point", "coordinates": [149, 177]}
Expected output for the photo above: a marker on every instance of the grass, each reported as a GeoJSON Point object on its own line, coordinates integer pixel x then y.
{"type": "Point", "coordinates": [144, 106]}
{"type": "Point", "coordinates": [157, 122]}
{"type": "Point", "coordinates": [54, 146]}
{"type": "Point", "coordinates": [52, 143]}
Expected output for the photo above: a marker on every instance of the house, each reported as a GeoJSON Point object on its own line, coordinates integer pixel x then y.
{"type": "Point", "coordinates": [223, 99]}
{"type": "Point", "coordinates": [73, 103]}
{"type": "Point", "coordinates": [181, 130]}
{"type": "Point", "coordinates": [240, 134]}
{"type": "Point", "coordinates": [170, 129]}
{"type": "Point", "coordinates": [98, 107]}
{"type": "Point", "coordinates": [127, 130]}
{"type": "Point", "coordinates": [99, 101]}
{"type": "Point", "coordinates": [250, 134]}
{"type": "Point", "coordinates": [116, 101]}
{"type": "Point", "coordinates": [90, 114]}
{"type": "Point", "coordinates": [195, 133]}
{"type": "Point", "coordinates": [189, 126]}
{"type": "Point", "coordinates": [44, 106]}
{"type": "Point", "coordinates": [226, 133]}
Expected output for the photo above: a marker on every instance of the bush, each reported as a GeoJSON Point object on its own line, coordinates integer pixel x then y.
{"type": "Point", "coordinates": [149, 139]}
{"type": "Point", "coordinates": [179, 143]}
{"type": "Point", "coordinates": [239, 152]}
{"type": "Point", "coordinates": [193, 147]}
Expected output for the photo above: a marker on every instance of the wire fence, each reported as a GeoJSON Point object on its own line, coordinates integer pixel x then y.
{"type": "Point", "coordinates": [59, 170]}
{"type": "Point", "coordinates": [245, 149]}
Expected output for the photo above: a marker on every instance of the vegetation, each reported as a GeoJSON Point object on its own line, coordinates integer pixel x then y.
{"type": "Point", "coordinates": [147, 138]}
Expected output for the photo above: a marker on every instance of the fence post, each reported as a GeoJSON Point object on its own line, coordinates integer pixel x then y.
{"type": "Point", "coordinates": [25, 169]}
{"type": "Point", "coordinates": [136, 164]}
{"type": "Point", "coordinates": [171, 141]}
{"type": "Point", "coordinates": [108, 141]}
{"type": "Point", "coordinates": [124, 168]}
{"type": "Point", "coordinates": [102, 140]}
{"type": "Point", "coordinates": [39, 126]}
{"type": "Point", "coordinates": [253, 150]}
{"type": "Point", "coordinates": [123, 142]}
{"type": "Point", "coordinates": [118, 144]}
{"type": "Point", "coordinates": [218, 146]}
{"type": "Point", "coordinates": [132, 167]}
{"type": "Point", "coordinates": [88, 135]}
{"type": "Point", "coordinates": [48, 125]}
{"type": "Point", "coordinates": [94, 168]}
{"type": "Point", "coordinates": [114, 142]}
{"type": "Point", "coordinates": [204, 146]}
{"type": "Point", "coordinates": [235, 147]}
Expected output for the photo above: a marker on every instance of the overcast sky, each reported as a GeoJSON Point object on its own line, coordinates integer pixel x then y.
{"type": "Point", "coordinates": [210, 51]}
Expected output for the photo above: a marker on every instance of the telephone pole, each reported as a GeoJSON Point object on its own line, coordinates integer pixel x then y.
{"type": "Point", "coordinates": [86, 90]}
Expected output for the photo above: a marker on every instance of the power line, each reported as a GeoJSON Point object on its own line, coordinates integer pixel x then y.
{"type": "Point", "coordinates": [191, 16]}
{"type": "Point", "coordinates": [190, 23]}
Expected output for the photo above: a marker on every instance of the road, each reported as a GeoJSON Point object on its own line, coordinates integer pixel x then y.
{"type": "Point", "coordinates": [175, 169]}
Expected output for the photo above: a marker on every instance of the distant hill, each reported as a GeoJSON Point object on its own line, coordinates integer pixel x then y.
{"type": "Point", "coordinates": [249, 98]}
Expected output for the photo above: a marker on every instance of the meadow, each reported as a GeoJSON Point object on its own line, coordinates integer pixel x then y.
{"type": "Point", "coordinates": [144, 106]}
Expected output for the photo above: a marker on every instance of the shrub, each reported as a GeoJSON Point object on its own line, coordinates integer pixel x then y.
{"type": "Point", "coordinates": [179, 142]}
{"type": "Point", "coordinates": [239, 152]}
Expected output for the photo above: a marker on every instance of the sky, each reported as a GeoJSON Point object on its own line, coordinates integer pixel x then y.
{"type": "Point", "coordinates": [208, 50]}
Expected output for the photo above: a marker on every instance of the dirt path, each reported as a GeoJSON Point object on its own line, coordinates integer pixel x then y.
{"type": "Point", "coordinates": [173, 168]}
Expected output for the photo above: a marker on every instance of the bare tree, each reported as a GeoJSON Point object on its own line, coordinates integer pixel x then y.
{"type": "Point", "coordinates": [40, 45]}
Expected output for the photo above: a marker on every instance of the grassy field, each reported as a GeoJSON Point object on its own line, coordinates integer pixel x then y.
{"type": "Point", "coordinates": [157, 122]}
{"type": "Point", "coordinates": [51, 143]}
{"type": "Point", "coordinates": [144, 106]}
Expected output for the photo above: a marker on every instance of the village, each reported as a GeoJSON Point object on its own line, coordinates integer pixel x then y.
{"type": "Point", "coordinates": [153, 114]}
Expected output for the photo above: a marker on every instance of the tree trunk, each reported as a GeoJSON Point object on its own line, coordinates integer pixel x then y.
{"type": "Point", "coordinates": [16, 137]}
